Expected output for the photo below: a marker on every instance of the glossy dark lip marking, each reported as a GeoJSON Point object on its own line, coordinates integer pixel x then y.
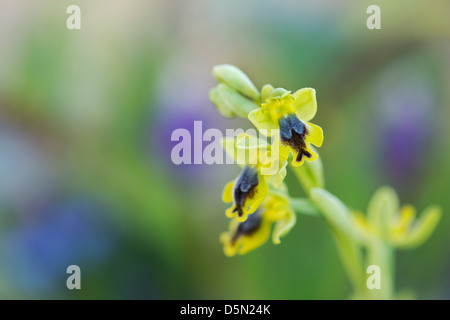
{"type": "Point", "coordinates": [249, 226]}
{"type": "Point", "coordinates": [245, 187]}
{"type": "Point", "coordinates": [292, 133]}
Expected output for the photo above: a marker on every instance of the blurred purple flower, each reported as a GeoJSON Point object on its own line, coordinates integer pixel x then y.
{"type": "Point", "coordinates": [406, 120]}
{"type": "Point", "coordinates": [182, 99]}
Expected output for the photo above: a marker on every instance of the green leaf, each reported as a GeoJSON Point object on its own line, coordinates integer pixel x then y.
{"type": "Point", "coordinates": [283, 226]}
{"type": "Point", "coordinates": [333, 210]}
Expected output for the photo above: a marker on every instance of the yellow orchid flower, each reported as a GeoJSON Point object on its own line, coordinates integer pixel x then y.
{"type": "Point", "coordinates": [260, 168]}
{"type": "Point", "coordinates": [247, 193]}
{"type": "Point", "coordinates": [246, 236]}
{"type": "Point", "coordinates": [287, 115]}
{"type": "Point", "coordinates": [396, 226]}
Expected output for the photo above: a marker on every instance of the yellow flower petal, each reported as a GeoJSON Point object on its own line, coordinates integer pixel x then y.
{"type": "Point", "coordinates": [243, 237]}
{"type": "Point", "coordinates": [254, 202]}
{"type": "Point", "coordinates": [313, 157]}
{"type": "Point", "coordinates": [275, 171]}
{"type": "Point", "coordinates": [230, 248]}
{"type": "Point", "coordinates": [283, 226]}
{"type": "Point", "coordinates": [405, 219]}
{"type": "Point", "coordinates": [315, 134]}
{"type": "Point", "coordinates": [283, 150]}
{"type": "Point", "coordinates": [242, 241]}
{"type": "Point", "coordinates": [360, 220]}
{"type": "Point", "coordinates": [245, 149]}
{"type": "Point", "coordinates": [276, 180]}
{"type": "Point", "coordinates": [262, 121]}
{"type": "Point", "coordinates": [227, 195]}
{"type": "Point", "coordinates": [256, 239]}
{"type": "Point", "coordinates": [305, 103]}
{"type": "Point", "coordinates": [230, 213]}
{"type": "Point", "coordinates": [423, 227]}
{"type": "Point", "coordinates": [247, 193]}
{"type": "Point", "coordinates": [247, 141]}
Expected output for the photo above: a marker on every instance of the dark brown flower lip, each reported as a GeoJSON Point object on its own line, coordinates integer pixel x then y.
{"type": "Point", "coordinates": [244, 188]}
{"type": "Point", "coordinates": [249, 226]}
{"type": "Point", "coordinates": [292, 133]}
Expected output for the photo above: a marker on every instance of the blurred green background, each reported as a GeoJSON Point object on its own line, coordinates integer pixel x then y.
{"type": "Point", "coordinates": [86, 119]}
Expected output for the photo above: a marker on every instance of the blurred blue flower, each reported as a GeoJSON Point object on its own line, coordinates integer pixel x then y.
{"type": "Point", "coordinates": [37, 255]}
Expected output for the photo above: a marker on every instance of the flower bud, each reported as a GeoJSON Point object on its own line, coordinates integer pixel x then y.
{"type": "Point", "coordinates": [236, 79]}
{"type": "Point", "coordinates": [231, 103]}
{"type": "Point", "coordinates": [266, 91]}
{"type": "Point", "coordinates": [215, 98]}
{"type": "Point", "coordinates": [382, 208]}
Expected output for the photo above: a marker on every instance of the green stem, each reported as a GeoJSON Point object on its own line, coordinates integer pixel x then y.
{"type": "Point", "coordinates": [350, 255]}
{"type": "Point", "coordinates": [304, 206]}
{"type": "Point", "coordinates": [310, 175]}
{"type": "Point", "coordinates": [382, 255]}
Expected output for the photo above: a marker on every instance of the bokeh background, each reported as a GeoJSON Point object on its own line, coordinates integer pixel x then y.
{"type": "Point", "coordinates": [86, 119]}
